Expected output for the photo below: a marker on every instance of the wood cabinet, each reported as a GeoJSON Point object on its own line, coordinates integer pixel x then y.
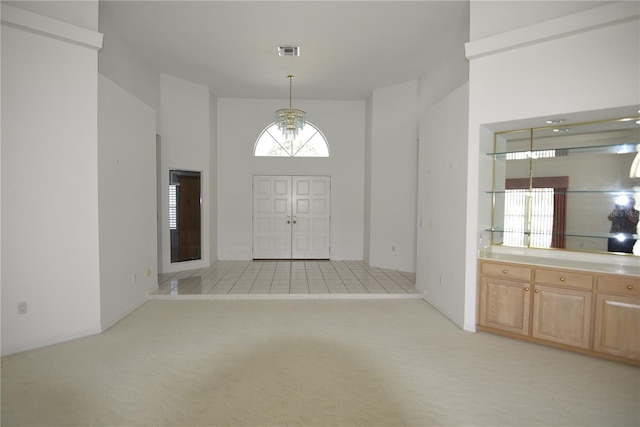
{"type": "Point", "coordinates": [505, 302]}
{"type": "Point", "coordinates": [562, 307]}
{"type": "Point", "coordinates": [617, 323]}
{"type": "Point", "coordinates": [562, 315]}
{"type": "Point", "coordinates": [590, 312]}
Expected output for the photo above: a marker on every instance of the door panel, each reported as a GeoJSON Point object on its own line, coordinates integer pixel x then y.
{"type": "Point", "coordinates": [271, 211]}
{"type": "Point", "coordinates": [281, 186]}
{"type": "Point", "coordinates": [302, 207]}
{"type": "Point", "coordinates": [320, 225]}
{"type": "Point", "coordinates": [291, 217]}
{"type": "Point", "coordinates": [311, 213]}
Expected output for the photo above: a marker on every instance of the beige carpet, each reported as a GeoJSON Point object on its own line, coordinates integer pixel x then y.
{"type": "Point", "coordinates": [310, 363]}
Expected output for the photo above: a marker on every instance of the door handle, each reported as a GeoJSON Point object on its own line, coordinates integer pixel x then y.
{"type": "Point", "coordinates": [288, 219]}
{"type": "Point", "coordinates": [294, 219]}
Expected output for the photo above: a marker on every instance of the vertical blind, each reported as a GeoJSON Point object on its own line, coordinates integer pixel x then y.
{"type": "Point", "coordinates": [536, 216]}
{"type": "Point", "coordinates": [173, 207]}
{"type": "Point", "coordinates": [518, 230]}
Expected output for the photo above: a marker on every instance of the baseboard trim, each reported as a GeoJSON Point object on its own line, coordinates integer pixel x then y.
{"type": "Point", "coordinates": [124, 313]}
{"type": "Point", "coordinates": [51, 341]}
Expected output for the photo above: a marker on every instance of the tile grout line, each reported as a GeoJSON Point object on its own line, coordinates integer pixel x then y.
{"type": "Point", "coordinates": [363, 285]}
{"type": "Point", "coordinates": [362, 276]}
{"type": "Point", "coordinates": [272, 277]}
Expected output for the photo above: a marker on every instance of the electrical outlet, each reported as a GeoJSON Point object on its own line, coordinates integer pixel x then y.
{"type": "Point", "coordinates": [22, 308]}
{"type": "Point", "coordinates": [133, 278]}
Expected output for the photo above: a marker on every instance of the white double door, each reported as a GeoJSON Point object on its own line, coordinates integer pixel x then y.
{"type": "Point", "coordinates": [291, 217]}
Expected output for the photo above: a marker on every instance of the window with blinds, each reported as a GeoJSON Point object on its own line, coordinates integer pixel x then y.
{"type": "Point", "coordinates": [517, 229]}
{"type": "Point", "coordinates": [173, 207]}
{"type": "Point", "coordinates": [525, 155]}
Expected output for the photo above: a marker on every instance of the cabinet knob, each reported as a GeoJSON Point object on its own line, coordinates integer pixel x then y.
{"type": "Point", "coordinates": [629, 287]}
{"type": "Point", "coordinates": [537, 291]}
{"type": "Point", "coordinates": [526, 289]}
{"type": "Point", "coordinates": [561, 279]}
{"type": "Point", "coordinates": [504, 271]}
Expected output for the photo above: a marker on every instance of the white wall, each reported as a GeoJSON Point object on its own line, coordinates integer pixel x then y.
{"type": "Point", "coordinates": [240, 122]}
{"type": "Point", "coordinates": [442, 204]}
{"type": "Point", "coordinates": [79, 13]}
{"type": "Point", "coordinates": [496, 17]}
{"type": "Point", "coordinates": [449, 71]}
{"type": "Point", "coordinates": [213, 175]}
{"type": "Point", "coordinates": [584, 62]}
{"type": "Point", "coordinates": [185, 145]}
{"type": "Point", "coordinates": [1, 311]}
{"type": "Point", "coordinates": [127, 201]}
{"type": "Point", "coordinates": [126, 67]}
{"type": "Point", "coordinates": [367, 179]}
{"type": "Point", "coordinates": [443, 107]}
{"type": "Point", "coordinates": [394, 170]}
{"type": "Point", "coordinates": [49, 225]}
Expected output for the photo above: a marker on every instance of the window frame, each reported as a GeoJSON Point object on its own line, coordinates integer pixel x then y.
{"type": "Point", "coordinates": [278, 139]}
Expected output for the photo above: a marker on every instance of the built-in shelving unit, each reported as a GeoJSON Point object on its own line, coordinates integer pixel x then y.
{"type": "Point", "coordinates": [586, 168]}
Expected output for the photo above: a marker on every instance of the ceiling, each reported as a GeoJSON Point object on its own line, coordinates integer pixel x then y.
{"type": "Point", "coordinates": [348, 48]}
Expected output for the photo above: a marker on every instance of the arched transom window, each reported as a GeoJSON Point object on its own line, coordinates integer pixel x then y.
{"type": "Point", "coordinates": [310, 142]}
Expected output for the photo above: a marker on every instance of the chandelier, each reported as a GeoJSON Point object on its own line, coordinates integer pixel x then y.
{"type": "Point", "coordinates": [290, 120]}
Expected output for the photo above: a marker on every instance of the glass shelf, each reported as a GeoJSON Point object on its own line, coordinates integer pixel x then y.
{"type": "Point", "coordinates": [571, 234]}
{"type": "Point", "coordinates": [621, 192]}
{"type": "Point", "coordinates": [626, 148]}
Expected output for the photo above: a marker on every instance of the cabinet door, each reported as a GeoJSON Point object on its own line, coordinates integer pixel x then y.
{"type": "Point", "coordinates": [617, 327]}
{"type": "Point", "coordinates": [562, 315]}
{"type": "Point", "coordinates": [505, 304]}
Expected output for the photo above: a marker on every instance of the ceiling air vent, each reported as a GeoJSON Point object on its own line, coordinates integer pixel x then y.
{"type": "Point", "coordinates": [288, 50]}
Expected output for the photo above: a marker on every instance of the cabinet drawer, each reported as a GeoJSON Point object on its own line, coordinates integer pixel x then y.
{"type": "Point", "coordinates": [506, 271]}
{"type": "Point", "coordinates": [564, 278]}
{"type": "Point", "coordinates": [628, 286]}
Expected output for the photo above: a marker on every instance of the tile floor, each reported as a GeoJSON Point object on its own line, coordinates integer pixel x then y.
{"type": "Point", "coordinates": [319, 278]}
